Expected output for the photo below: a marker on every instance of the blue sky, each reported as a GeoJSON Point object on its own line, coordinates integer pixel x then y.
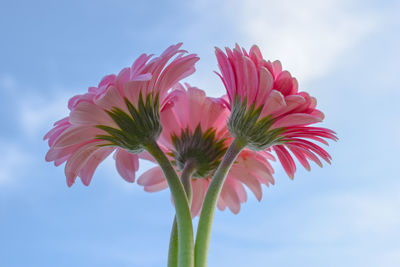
{"type": "Point", "coordinates": [344, 52]}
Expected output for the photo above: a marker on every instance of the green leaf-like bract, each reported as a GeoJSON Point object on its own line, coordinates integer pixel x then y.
{"type": "Point", "coordinates": [201, 147]}
{"type": "Point", "coordinates": [245, 123]}
{"type": "Point", "coordinates": [136, 129]}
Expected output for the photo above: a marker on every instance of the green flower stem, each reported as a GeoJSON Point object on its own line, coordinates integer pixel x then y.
{"type": "Point", "coordinates": [210, 202]}
{"type": "Point", "coordinates": [186, 177]}
{"type": "Point", "coordinates": [184, 220]}
{"type": "Point", "coordinates": [173, 246]}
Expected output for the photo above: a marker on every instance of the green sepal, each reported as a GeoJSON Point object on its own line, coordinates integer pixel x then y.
{"type": "Point", "coordinates": [245, 124]}
{"type": "Point", "coordinates": [203, 148]}
{"type": "Point", "coordinates": [136, 129]}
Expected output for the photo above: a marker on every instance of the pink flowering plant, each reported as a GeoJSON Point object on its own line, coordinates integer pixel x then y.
{"type": "Point", "coordinates": [208, 150]}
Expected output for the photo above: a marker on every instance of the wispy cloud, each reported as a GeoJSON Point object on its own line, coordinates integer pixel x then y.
{"type": "Point", "coordinates": [365, 215]}
{"type": "Point", "coordinates": [308, 36]}
{"type": "Point", "coordinates": [13, 163]}
{"type": "Point", "coordinates": [38, 112]}
{"type": "Point", "coordinates": [345, 222]}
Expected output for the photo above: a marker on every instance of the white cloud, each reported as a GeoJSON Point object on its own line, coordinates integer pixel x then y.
{"type": "Point", "coordinates": [310, 36]}
{"type": "Point", "coordinates": [13, 162]}
{"type": "Point", "coordinates": [38, 112]}
{"type": "Point", "coordinates": [360, 225]}
{"type": "Point", "coordinates": [359, 216]}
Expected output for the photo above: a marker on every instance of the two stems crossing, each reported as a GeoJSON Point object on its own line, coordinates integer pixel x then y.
{"type": "Point", "coordinates": [182, 252]}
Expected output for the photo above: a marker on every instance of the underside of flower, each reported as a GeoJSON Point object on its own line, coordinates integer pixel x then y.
{"type": "Point", "coordinates": [202, 148]}
{"type": "Point", "coordinates": [244, 123]}
{"type": "Point", "coordinates": [268, 110]}
{"type": "Point", "coordinates": [136, 128]}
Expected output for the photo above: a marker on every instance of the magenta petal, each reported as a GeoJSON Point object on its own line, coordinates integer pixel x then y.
{"type": "Point", "coordinates": [286, 160]}
{"type": "Point", "coordinates": [295, 119]}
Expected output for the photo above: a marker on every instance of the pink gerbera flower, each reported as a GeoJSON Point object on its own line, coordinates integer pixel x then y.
{"type": "Point", "coordinates": [120, 115]}
{"type": "Point", "coordinates": [268, 111]}
{"type": "Point", "coordinates": [195, 129]}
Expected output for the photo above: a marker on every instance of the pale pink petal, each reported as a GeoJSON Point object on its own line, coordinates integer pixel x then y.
{"type": "Point", "coordinates": [239, 189]}
{"type": "Point", "coordinates": [139, 63]}
{"type": "Point", "coordinates": [249, 180]}
{"type": "Point", "coordinates": [75, 135]}
{"type": "Point", "coordinates": [107, 80]}
{"type": "Point", "coordinates": [77, 160]}
{"type": "Point", "coordinates": [62, 124]}
{"type": "Point", "coordinates": [218, 114]}
{"type": "Point", "coordinates": [127, 164]}
{"type": "Point", "coordinates": [252, 81]}
{"type": "Point", "coordinates": [87, 113]}
{"type": "Point", "coordinates": [265, 86]}
{"type": "Point", "coordinates": [87, 171]}
{"type": "Point", "coordinates": [199, 187]}
{"type": "Point", "coordinates": [112, 98]}
{"type": "Point", "coordinates": [146, 155]}
{"type": "Point", "coordinates": [231, 198]}
{"type": "Point", "coordinates": [57, 153]}
{"type": "Point", "coordinates": [292, 102]}
{"type": "Point", "coordinates": [274, 103]}
{"type": "Point", "coordinates": [284, 83]}
{"type": "Point", "coordinates": [176, 71]}
{"type": "Point", "coordinates": [221, 203]}
{"type": "Point", "coordinates": [156, 187]}
{"type": "Point", "coordinates": [151, 177]}
{"type": "Point", "coordinates": [196, 107]}
{"type": "Point", "coordinates": [55, 133]}
{"type": "Point", "coordinates": [75, 100]}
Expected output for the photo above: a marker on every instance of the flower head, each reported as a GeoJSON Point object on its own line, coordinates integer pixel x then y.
{"type": "Point", "coordinates": [268, 111]}
{"type": "Point", "coordinates": [120, 114]}
{"type": "Point", "coordinates": [195, 129]}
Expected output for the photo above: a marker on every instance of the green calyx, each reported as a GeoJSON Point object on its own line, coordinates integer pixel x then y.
{"type": "Point", "coordinates": [136, 129]}
{"type": "Point", "coordinates": [202, 148]}
{"type": "Point", "coordinates": [245, 124]}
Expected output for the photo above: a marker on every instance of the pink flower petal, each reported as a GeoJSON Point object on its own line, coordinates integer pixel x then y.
{"type": "Point", "coordinates": [151, 177]}
{"type": "Point", "coordinates": [87, 171]}
{"type": "Point", "coordinates": [275, 102]}
{"type": "Point", "coordinates": [90, 114]}
{"type": "Point", "coordinates": [77, 134]}
{"type": "Point", "coordinates": [156, 187]}
{"type": "Point", "coordinates": [286, 159]}
{"type": "Point", "coordinates": [249, 180]}
{"type": "Point", "coordinates": [231, 198]}
{"type": "Point", "coordinates": [77, 160]}
{"type": "Point", "coordinates": [127, 164]}
{"type": "Point", "coordinates": [199, 189]}
{"type": "Point", "coordinates": [295, 119]}
{"type": "Point", "coordinates": [284, 83]}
